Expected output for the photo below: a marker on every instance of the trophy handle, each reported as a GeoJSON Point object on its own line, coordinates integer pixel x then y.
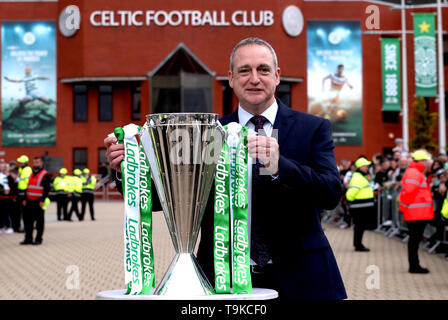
{"type": "Point", "coordinates": [222, 130]}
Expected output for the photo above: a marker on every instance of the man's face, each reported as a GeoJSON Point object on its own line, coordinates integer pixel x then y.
{"type": "Point", "coordinates": [347, 165]}
{"type": "Point", "coordinates": [340, 70]}
{"type": "Point", "coordinates": [427, 164]}
{"type": "Point", "coordinates": [364, 169]}
{"type": "Point", "coordinates": [37, 163]}
{"type": "Point", "coordinates": [403, 162]}
{"type": "Point", "coordinates": [254, 77]}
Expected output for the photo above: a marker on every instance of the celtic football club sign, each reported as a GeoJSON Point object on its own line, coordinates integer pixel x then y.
{"type": "Point", "coordinates": [425, 55]}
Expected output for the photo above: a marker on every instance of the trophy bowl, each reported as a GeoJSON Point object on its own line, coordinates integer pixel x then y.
{"type": "Point", "coordinates": [182, 151]}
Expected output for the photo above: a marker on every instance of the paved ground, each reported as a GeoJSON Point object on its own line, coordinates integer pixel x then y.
{"type": "Point", "coordinates": [79, 259]}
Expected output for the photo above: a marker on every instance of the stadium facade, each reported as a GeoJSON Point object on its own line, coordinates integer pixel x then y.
{"type": "Point", "coordinates": [117, 61]}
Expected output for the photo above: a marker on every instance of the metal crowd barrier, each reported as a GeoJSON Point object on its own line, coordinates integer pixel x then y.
{"type": "Point", "coordinates": [105, 189]}
{"type": "Point", "coordinates": [390, 221]}
{"type": "Point", "coordinates": [333, 216]}
{"type": "Point", "coordinates": [387, 211]}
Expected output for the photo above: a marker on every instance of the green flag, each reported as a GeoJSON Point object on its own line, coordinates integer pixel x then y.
{"type": "Point", "coordinates": [425, 55]}
{"type": "Point", "coordinates": [391, 77]}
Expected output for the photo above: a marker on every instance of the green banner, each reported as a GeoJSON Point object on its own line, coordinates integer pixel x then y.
{"type": "Point", "coordinates": [391, 79]}
{"type": "Point", "coordinates": [425, 55]}
{"type": "Point", "coordinates": [28, 82]}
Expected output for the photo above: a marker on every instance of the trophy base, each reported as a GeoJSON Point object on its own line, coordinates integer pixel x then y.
{"type": "Point", "coordinates": [257, 294]}
{"type": "Point", "coordinates": [184, 277]}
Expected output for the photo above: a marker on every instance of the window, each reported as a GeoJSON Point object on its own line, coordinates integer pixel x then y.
{"type": "Point", "coordinates": [103, 168]}
{"type": "Point", "coordinates": [79, 158]}
{"type": "Point", "coordinates": [446, 104]}
{"type": "Point", "coordinates": [105, 103]}
{"type": "Point", "coordinates": [80, 103]}
{"type": "Point", "coordinates": [284, 93]}
{"type": "Point", "coordinates": [102, 155]}
{"type": "Point", "coordinates": [227, 98]}
{"type": "Point", "coordinates": [445, 50]}
{"type": "Point", "coordinates": [136, 103]}
{"type": "Point", "coordinates": [182, 84]}
{"type": "Point", "coordinates": [391, 116]}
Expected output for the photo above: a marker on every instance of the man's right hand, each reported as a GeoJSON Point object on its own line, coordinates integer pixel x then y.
{"type": "Point", "coordinates": [114, 153]}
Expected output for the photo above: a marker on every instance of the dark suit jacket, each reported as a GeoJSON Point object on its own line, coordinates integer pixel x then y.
{"type": "Point", "coordinates": [289, 207]}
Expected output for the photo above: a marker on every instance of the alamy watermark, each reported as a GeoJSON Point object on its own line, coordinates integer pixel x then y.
{"type": "Point", "coordinates": [73, 17]}
{"type": "Point", "coordinates": [72, 282]}
{"type": "Point", "coordinates": [373, 279]}
{"type": "Point", "coordinates": [372, 21]}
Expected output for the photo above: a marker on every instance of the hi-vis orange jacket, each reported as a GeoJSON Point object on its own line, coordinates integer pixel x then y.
{"type": "Point", "coordinates": [415, 196]}
{"type": "Point", "coordinates": [35, 188]}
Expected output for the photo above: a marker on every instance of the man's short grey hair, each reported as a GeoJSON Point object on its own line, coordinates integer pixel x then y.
{"type": "Point", "coordinates": [252, 41]}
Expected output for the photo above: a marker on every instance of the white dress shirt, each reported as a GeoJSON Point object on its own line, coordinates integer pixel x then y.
{"type": "Point", "coordinates": [244, 119]}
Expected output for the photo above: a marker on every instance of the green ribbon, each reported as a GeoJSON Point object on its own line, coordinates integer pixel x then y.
{"type": "Point", "coordinates": [231, 186]}
{"type": "Point", "coordinates": [221, 223]}
{"type": "Point", "coordinates": [241, 279]}
{"type": "Point", "coordinates": [146, 225]}
{"type": "Point", "coordinates": [139, 256]}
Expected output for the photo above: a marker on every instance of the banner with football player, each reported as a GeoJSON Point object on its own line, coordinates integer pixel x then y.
{"type": "Point", "coordinates": [335, 77]}
{"type": "Point", "coordinates": [28, 82]}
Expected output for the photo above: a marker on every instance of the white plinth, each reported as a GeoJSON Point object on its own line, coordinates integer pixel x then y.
{"type": "Point", "coordinates": [257, 294]}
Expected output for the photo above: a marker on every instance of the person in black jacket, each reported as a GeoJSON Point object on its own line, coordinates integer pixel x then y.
{"type": "Point", "coordinates": [36, 193]}
{"type": "Point", "coordinates": [13, 204]}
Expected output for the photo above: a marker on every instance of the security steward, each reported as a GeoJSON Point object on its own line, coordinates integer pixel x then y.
{"type": "Point", "coordinates": [60, 187]}
{"type": "Point", "coordinates": [75, 191]}
{"type": "Point", "coordinates": [35, 202]}
{"type": "Point", "coordinates": [361, 199]}
{"type": "Point", "coordinates": [87, 196]}
{"type": "Point", "coordinates": [416, 204]}
{"type": "Point", "coordinates": [22, 183]}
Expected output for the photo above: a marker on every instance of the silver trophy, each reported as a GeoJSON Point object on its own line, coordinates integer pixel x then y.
{"type": "Point", "coordinates": [182, 150]}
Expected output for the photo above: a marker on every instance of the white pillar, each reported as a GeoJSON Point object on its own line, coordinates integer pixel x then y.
{"type": "Point", "coordinates": [404, 72]}
{"type": "Point", "coordinates": [441, 75]}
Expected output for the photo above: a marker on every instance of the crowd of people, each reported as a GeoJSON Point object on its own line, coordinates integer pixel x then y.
{"type": "Point", "coordinates": [417, 181]}
{"type": "Point", "coordinates": [26, 190]}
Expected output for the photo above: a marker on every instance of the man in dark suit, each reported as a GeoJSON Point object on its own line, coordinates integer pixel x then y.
{"type": "Point", "coordinates": [292, 180]}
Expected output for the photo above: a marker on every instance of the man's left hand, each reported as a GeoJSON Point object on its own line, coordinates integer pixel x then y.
{"type": "Point", "coordinates": [266, 149]}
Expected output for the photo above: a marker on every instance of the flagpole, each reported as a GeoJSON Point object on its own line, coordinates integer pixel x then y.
{"type": "Point", "coordinates": [404, 78]}
{"type": "Point", "coordinates": [442, 127]}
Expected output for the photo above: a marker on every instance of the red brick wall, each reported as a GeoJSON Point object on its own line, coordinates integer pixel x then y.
{"type": "Point", "coordinates": [135, 51]}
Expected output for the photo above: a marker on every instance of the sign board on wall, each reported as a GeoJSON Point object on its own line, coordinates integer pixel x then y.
{"type": "Point", "coordinates": [28, 83]}
{"type": "Point", "coordinates": [335, 77]}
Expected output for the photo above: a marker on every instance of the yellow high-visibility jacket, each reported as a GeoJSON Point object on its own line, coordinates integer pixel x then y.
{"type": "Point", "coordinates": [359, 188]}
{"type": "Point", "coordinates": [88, 184]}
{"type": "Point", "coordinates": [24, 176]}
